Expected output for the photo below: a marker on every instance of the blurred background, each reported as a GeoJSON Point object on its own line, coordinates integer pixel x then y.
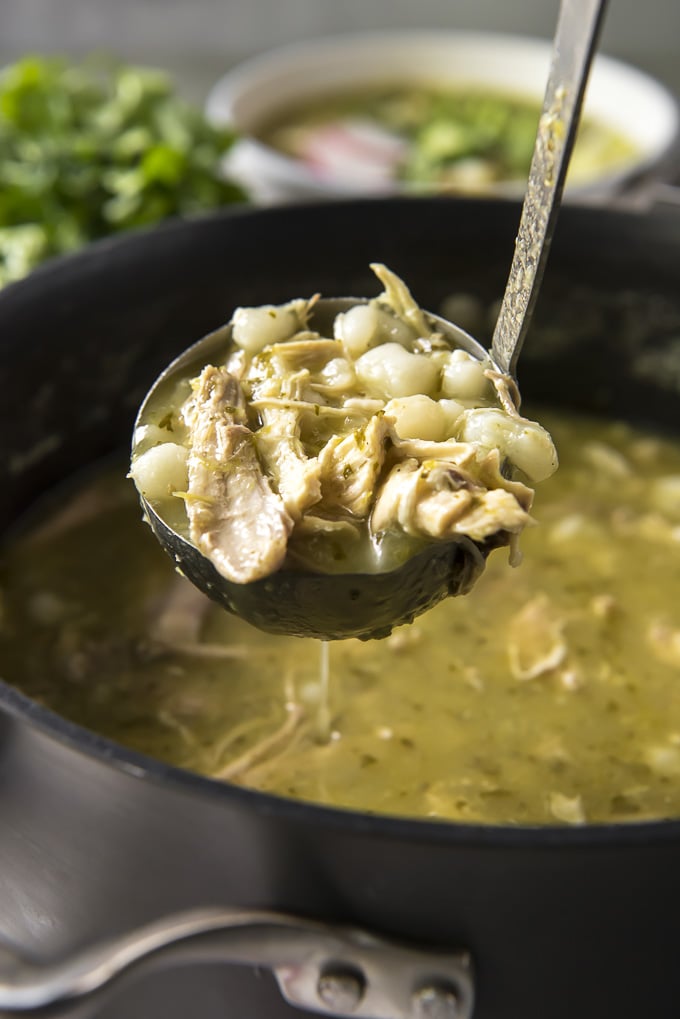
{"type": "Point", "coordinates": [197, 40]}
{"type": "Point", "coordinates": [88, 150]}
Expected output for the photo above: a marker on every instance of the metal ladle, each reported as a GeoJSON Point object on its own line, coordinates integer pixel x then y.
{"type": "Point", "coordinates": [333, 606]}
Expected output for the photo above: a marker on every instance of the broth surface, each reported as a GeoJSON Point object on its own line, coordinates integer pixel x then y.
{"type": "Point", "coordinates": [549, 694]}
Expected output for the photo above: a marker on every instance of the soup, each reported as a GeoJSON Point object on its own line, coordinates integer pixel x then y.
{"type": "Point", "coordinates": [429, 138]}
{"type": "Point", "coordinates": [345, 450]}
{"type": "Point", "coordinates": [549, 695]}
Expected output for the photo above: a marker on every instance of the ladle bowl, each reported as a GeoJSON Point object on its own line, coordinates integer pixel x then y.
{"type": "Point", "coordinates": [327, 606]}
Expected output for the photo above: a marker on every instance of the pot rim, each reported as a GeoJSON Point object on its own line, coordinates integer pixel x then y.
{"type": "Point", "coordinates": [216, 219]}
{"type": "Point", "coordinates": [141, 766]}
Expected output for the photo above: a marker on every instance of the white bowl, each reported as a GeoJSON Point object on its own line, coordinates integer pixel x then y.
{"type": "Point", "coordinates": [258, 90]}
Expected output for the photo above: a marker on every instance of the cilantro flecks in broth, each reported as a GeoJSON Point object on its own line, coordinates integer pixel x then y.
{"type": "Point", "coordinates": [548, 695]}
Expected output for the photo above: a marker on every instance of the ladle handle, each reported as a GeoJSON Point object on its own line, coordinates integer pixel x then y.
{"type": "Point", "coordinates": [576, 35]}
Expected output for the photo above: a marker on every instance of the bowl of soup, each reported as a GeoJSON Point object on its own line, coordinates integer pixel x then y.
{"type": "Point", "coordinates": [427, 112]}
{"type": "Point", "coordinates": [497, 783]}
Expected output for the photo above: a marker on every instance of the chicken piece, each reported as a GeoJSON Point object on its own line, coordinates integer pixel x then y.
{"type": "Point", "coordinates": [216, 395]}
{"type": "Point", "coordinates": [279, 384]}
{"type": "Point", "coordinates": [236, 363]}
{"type": "Point", "coordinates": [285, 370]}
{"type": "Point", "coordinates": [438, 499]}
{"type": "Point", "coordinates": [536, 644]}
{"type": "Point", "coordinates": [350, 466]}
{"type": "Point", "coordinates": [235, 518]}
{"type": "Point", "coordinates": [460, 453]}
{"type": "Point", "coordinates": [664, 642]}
{"type": "Point", "coordinates": [488, 473]}
{"type": "Point", "coordinates": [297, 476]}
{"type": "Point", "coordinates": [305, 351]}
{"type": "Point", "coordinates": [487, 470]}
{"type": "Point", "coordinates": [398, 297]}
{"type": "Point", "coordinates": [567, 808]}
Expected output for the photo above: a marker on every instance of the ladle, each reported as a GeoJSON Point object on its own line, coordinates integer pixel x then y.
{"type": "Point", "coordinates": [334, 606]}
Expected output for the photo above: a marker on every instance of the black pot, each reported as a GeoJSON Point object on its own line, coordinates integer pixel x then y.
{"type": "Point", "coordinates": [96, 841]}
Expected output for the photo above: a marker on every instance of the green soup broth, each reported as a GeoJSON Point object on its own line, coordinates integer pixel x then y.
{"type": "Point", "coordinates": [548, 695]}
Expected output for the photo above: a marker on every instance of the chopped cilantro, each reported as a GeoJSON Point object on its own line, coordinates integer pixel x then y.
{"type": "Point", "coordinates": [96, 148]}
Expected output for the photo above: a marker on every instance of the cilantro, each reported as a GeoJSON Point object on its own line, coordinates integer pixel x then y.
{"type": "Point", "coordinates": [93, 149]}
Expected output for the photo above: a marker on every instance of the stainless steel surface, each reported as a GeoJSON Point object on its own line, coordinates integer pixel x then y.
{"type": "Point", "coordinates": [576, 36]}
{"type": "Point", "coordinates": [335, 971]}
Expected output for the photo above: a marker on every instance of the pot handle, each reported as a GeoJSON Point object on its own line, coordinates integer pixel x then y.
{"type": "Point", "coordinates": [336, 971]}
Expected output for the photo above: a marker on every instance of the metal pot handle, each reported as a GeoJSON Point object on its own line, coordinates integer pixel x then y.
{"type": "Point", "coordinates": [337, 971]}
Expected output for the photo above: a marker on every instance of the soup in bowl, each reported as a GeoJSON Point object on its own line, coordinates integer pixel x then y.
{"type": "Point", "coordinates": [428, 112]}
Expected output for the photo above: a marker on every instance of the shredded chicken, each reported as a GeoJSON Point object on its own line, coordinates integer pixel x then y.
{"type": "Point", "coordinates": [235, 769]}
{"type": "Point", "coordinates": [235, 518]}
{"type": "Point", "coordinates": [297, 476]}
{"type": "Point", "coordinates": [305, 350]}
{"type": "Point", "coordinates": [294, 434]}
{"type": "Point", "coordinates": [536, 644]}
{"type": "Point", "coordinates": [506, 390]}
{"type": "Point", "coordinates": [398, 297]}
{"type": "Point", "coordinates": [460, 453]}
{"type": "Point", "coordinates": [439, 500]}
{"type": "Point", "coordinates": [350, 466]}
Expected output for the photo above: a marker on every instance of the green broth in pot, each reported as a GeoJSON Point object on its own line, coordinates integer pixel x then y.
{"type": "Point", "coordinates": [549, 695]}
